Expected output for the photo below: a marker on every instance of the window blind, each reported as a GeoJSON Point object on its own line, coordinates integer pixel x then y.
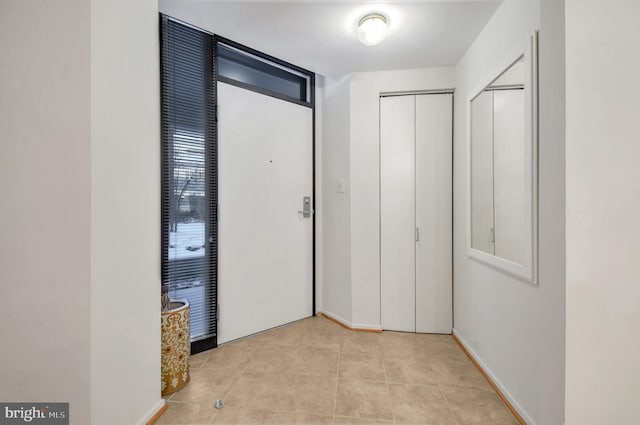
{"type": "Point", "coordinates": [189, 226]}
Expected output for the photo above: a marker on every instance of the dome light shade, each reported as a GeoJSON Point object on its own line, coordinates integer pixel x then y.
{"type": "Point", "coordinates": [372, 29]}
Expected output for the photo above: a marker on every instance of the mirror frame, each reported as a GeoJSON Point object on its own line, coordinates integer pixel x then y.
{"type": "Point", "coordinates": [529, 270]}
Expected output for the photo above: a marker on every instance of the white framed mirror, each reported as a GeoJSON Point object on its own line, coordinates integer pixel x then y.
{"type": "Point", "coordinates": [502, 166]}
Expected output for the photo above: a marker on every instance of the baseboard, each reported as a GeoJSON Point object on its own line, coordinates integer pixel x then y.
{"type": "Point", "coordinates": [335, 318]}
{"type": "Point", "coordinates": [366, 328]}
{"type": "Point", "coordinates": [515, 408]}
{"type": "Point", "coordinates": [348, 325]}
{"type": "Point", "coordinates": [154, 413]}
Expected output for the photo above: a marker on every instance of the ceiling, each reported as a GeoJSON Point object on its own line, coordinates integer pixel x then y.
{"type": "Point", "coordinates": [321, 35]}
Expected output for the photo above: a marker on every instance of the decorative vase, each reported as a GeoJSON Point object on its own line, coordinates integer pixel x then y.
{"type": "Point", "coordinates": [176, 347]}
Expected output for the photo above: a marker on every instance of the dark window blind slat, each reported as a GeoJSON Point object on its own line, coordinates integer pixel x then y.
{"type": "Point", "coordinates": [189, 198]}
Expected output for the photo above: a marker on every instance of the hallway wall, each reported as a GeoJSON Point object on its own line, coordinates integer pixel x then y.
{"type": "Point", "coordinates": [603, 198]}
{"type": "Point", "coordinates": [45, 197]}
{"type": "Point", "coordinates": [514, 328]}
{"type": "Point", "coordinates": [125, 206]}
{"type": "Point", "coordinates": [80, 222]}
{"type": "Point", "coordinates": [335, 209]}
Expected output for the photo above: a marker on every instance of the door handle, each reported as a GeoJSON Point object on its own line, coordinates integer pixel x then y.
{"type": "Point", "coordinates": [306, 207]}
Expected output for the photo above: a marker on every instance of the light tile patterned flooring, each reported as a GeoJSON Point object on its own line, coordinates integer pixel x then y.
{"type": "Point", "coordinates": [316, 372]}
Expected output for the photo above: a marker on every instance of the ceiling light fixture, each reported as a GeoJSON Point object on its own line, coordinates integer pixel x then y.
{"type": "Point", "coordinates": [373, 29]}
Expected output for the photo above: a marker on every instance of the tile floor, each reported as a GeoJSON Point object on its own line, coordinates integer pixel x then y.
{"type": "Point", "coordinates": [316, 372]}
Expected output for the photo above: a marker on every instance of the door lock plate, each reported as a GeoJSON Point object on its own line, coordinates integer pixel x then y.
{"type": "Point", "coordinates": [306, 207]}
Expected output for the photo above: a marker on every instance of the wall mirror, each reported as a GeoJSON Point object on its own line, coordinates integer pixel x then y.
{"type": "Point", "coordinates": [503, 166]}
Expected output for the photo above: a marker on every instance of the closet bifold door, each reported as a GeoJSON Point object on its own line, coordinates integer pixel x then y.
{"type": "Point", "coordinates": [433, 183]}
{"type": "Point", "coordinates": [415, 213]}
{"type": "Point", "coordinates": [397, 213]}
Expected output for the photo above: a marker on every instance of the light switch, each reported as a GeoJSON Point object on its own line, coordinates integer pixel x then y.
{"type": "Point", "coordinates": [340, 186]}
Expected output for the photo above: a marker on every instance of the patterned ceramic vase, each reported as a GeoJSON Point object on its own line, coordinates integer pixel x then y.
{"type": "Point", "coordinates": [176, 347]}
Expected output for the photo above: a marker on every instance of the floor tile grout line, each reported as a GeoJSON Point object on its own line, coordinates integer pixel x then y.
{"type": "Point", "coordinates": [215, 413]}
{"type": "Point", "coordinates": [413, 385]}
{"type": "Point", "coordinates": [335, 399]}
{"type": "Point", "coordinates": [446, 401]}
{"type": "Point", "coordinates": [302, 412]}
{"type": "Point", "coordinates": [226, 394]}
{"type": "Point", "coordinates": [189, 402]}
{"type": "Point", "coordinates": [364, 380]}
{"type": "Point", "coordinates": [386, 379]}
{"type": "Point", "coordinates": [365, 418]}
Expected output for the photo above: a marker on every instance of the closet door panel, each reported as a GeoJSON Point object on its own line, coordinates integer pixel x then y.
{"type": "Point", "coordinates": [397, 213]}
{"type": "Point", "coordinates": [433, 183]}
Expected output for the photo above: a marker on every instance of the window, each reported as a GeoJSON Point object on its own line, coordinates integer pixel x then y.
{"type": "Point", "coordinates": [189, 234]}
{"type": "Point", "coordinates": [256, 72]}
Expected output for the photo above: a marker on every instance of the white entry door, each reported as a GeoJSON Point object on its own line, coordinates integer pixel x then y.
{"type": "Point", "coordinates": [415, 213]}
{"type": "Point", "coordinates": [264, 242]}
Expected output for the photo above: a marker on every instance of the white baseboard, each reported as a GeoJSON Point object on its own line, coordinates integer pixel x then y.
{"type": "Point", "coordinates": [152, 412]}
{"type": "Point", "coordinates": [366, 327]}
{"type": "Point", "coordinates": [348, 324]}
{"type": "Point", "coordinates": [337, 318]}
{"type": "Point", "coordinates": [496, 381]}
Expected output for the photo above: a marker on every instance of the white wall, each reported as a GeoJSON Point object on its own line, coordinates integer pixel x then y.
{"type": "Point", "coordinates": [45, 198]}
{"type": "Point", "coordinates": [603, 198]}
{"type": "Point", "coordinates": [125, 205]}
{"type": "Point", "coordinates": [516, 329]}
{"type": "Point", "coordinates": [79, 263]}
{"type": "Point", "coordinates": [550, 336]}
{"type": "Point", "coordinates": [335, 209]}
{"type": "Point", "coordinates": [364, 168]}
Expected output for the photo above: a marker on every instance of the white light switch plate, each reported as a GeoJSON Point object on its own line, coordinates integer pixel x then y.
{"type": "Point", "coordinates": [340, 186]}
